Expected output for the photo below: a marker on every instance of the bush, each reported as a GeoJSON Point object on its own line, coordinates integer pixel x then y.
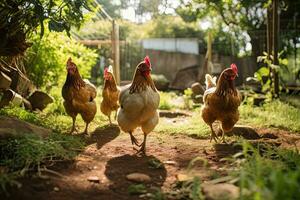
{"type": "Point", "coordinates": [46, 59]}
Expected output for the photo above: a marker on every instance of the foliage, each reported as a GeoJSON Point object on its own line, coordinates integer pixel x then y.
{"type": "Point", "coordinates": [188, 98]}
{"type": "Point", "coordinates": [173, 27]}
{"type": "Point", "coordinates": [265, 75]}
{"type": "Point", "coordinates": [20, 155]}
{"type": "Point", "coordinates": [57, 123]}
{"type": "Point", "coordinates": [19, 19]}
{"type": "Point", "coordinates": [271, 114]}
{"type": "Point", "coordinates": [190, 189]}
{"type": "Point", "coordinates": [170, 100]}
{"type": "Point", "coordinates": [237, 16]}
{"type": "Point", "coordinates": [268, 173]}
{"type": "Point", "coordinates": [192, 126]}
{"type": "Point", "coordinates": [137, 189]}
{"type": "Point", "coordinates": [46, 60]}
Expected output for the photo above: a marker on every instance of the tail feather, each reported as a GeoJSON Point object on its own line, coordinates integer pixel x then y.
{"type": "Point", "coordinates": [210, 81]}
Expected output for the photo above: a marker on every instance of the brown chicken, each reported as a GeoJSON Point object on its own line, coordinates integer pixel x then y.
{"type": "Point", "coordinates": [110, 94]}
{"type": "Point", "coordinates": [221, 101]}
{"type": "Point", "coordinates": [79, 96]}
{"type": "Point", "coordinates": [139, 103]}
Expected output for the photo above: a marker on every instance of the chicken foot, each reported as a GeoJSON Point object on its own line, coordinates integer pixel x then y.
{"type": "Point", "coordinates": [223, 136]}
{"type": "Point", "coordinates": [213, 134]}
{"type": "Point", "coordinates": [134, 140]}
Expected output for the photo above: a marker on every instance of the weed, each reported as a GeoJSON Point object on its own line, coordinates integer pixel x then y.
{"type": "Point", "coordinates": [272, 114]}
{"type": "Point", "coordinates": [269, 173]}
{"type": "Point", "coordinates": [30, 152]}
{"type": "Point", "coordinates": [137, 189]}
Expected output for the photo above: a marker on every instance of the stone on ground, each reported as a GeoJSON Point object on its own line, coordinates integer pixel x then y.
{"type": "Point", "coordinates": [138, 177]}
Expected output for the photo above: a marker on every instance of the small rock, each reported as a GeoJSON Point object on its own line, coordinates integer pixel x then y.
{"type": "Point", "coordinates": [56, 189]}
{"type": "Point", "coordinates": [197, 88]}
{"type": "Point", "coordinates": [138, 177]}
{"type": "Point", "coordinates": [170, 162]}
{"type": "Point", "coordinates": [222, 191]}
{"type": "Point", "coordinates": [94, 179]}
{"type": "Point", "coordinates": [183, 177]}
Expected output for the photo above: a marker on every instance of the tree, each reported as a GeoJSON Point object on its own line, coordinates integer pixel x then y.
{"type": "Point", "coordinates": [248, 16]}
{"type": "Point", "coordinates": [20, 18]}
{"type": "Point", "coordinates": [240, 16]}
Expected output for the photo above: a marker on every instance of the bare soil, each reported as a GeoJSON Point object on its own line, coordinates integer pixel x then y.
{"type": "Point", "coordinates": [110, 157]}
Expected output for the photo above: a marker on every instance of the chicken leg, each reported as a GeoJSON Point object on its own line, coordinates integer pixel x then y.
{"type": "Point", "coordinates": [109, 118]}
{"type": "Point", "coordinates": [73, 126]}
{"type": "Point", "coordinates": [143, 145]}
{"type": "Point", "coordinates": [133, 140]}
{"type": "Point", "coordinates": [213, 134]}
{"type": "Point", "coordinates": [86, 129]}
{"type": "Point", "coordinates": [223, 136]}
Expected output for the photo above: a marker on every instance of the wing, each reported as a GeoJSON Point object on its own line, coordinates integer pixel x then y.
{"type": "Point", "coordinates": [132, 105]}
{"type": "Point", "coordinates": [90, 88]}
{"type": "Point", "coordinates": [208, 92]}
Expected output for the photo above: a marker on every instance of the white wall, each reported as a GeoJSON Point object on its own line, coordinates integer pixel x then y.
{"type": "Point", "coordinates": [182, 45]}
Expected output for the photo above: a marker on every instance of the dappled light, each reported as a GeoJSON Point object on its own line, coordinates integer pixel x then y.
{"type": "Point", "coordinates": [149, 99]}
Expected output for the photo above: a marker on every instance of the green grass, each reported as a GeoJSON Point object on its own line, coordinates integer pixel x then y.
{"type": "Point", "coordinates": [276, 114]}
{"type": "Point", "coordinates": [273, 174]}
{"type": "Point", "coordinates": [29, 152]}
{"type": "Point", "coordinates": [192, 126]}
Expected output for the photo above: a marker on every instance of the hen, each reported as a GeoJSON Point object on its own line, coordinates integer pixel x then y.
{"type": "Point", "coordinates": [110, 93]}
{"type": "Point", "coordinates": [221, 101]}
{"type": "Point", "coordinates": [79, 96]}
{"type": "Point", "coordinates": [139, 103]}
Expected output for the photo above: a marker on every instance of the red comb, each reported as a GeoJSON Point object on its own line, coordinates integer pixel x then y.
{"type": "Point", "coordinates": [234, 68]}
{"type": "Point", "coordinates": [147, 61]}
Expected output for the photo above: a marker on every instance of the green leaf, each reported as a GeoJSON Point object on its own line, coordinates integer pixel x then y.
{"type": "Point", "coordinates": [264, 71]}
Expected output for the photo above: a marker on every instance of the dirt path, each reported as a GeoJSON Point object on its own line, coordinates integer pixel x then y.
{"type": "Point", "coordinates": [110, 157]}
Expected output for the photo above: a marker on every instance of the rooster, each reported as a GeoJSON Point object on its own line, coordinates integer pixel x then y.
{"type": "Point", "coordinates": [221, 101]}
{"type": "Point", "coordinates": [79, 96]}
{"type": "Point", "coordinates": [110, 93]}
{"type": "Point", "coordinates": [139, 103]}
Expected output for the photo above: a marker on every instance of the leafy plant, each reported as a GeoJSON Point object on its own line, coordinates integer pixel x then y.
{"type": "Point", "coordinates": [30, 152]}
{"type": "Point", "coordinates": [137, 189]}
{"type": "Point", "coordinates": [187, 98]}
{"type": "Point", "coordinates": [19, 19]}
{"type": "Point", "coordinates": [46, 60]}
{"type": "Point", "coordinates": [268, 173]}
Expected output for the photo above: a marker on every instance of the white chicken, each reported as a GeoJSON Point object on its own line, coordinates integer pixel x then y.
{"type": "Point", "coordinates": [139, 103]}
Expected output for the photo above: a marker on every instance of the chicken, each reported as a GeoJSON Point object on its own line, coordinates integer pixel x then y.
{"type": "Point", "coordinates": [79, 96]}
{"type": "Point", "coordinates": [221, 101]}
{"type": "Point", "coordinates": [110, 93]}
{"type": "Point", "coordinates": [139, 103]}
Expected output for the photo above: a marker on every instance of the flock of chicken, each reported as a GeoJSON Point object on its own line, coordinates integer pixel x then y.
{"type": "Point", "coordinates": [136, 104]}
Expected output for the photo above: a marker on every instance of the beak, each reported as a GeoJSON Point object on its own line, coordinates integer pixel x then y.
{"type": "Point", "coordinates": [150, 69]}
{"type": "Point", "coordinates": [237, 75]}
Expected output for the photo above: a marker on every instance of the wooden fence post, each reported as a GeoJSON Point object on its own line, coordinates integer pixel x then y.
{"type": "Point", "coordinates": [275, 45]}
{"type": "Point", "coordinates": [116, 50]}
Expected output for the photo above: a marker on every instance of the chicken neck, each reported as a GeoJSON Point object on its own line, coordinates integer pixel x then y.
{"type": "Point", "coordinates": [74, 80]}
{"type": "Point", "coordinates": [225, 87]}
{"type": "Point", "coordinates": [110, 84]}
{"type": "Point", "coordinates": [141, 82]}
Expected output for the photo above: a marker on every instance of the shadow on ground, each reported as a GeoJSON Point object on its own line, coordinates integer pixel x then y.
{"type": "Point", "coordinates": [117, 168]}
{"type": "Point", "coordinates": [102, 135]}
